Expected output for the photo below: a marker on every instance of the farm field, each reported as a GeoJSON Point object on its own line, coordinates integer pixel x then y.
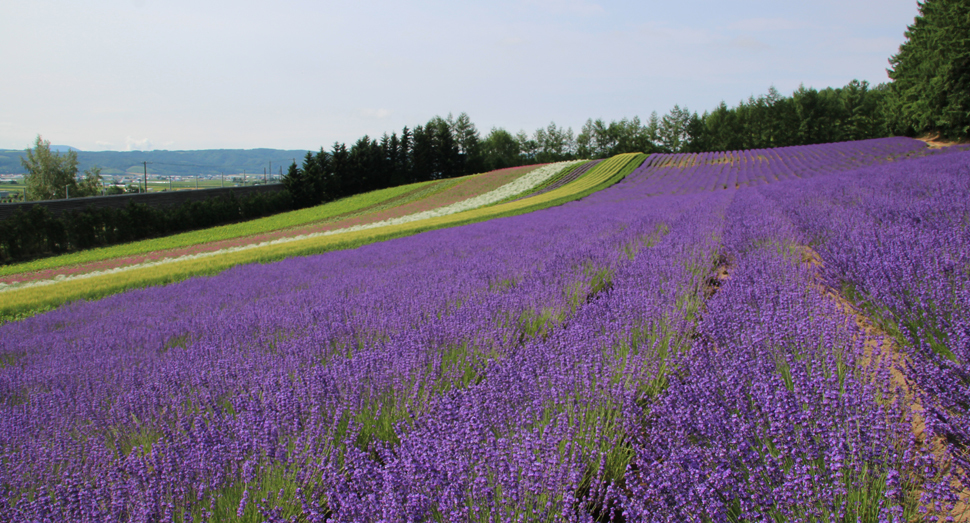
{"type": "Point", "coordinates": [777, 335]}
{"type": "Point", "coordinates": [240, 233]}
{"type": "Point", "coordinates": [95, 281]}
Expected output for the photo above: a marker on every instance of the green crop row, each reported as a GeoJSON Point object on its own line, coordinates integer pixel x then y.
{"type": "Point", "coordinates": [552, 179]}
{"type": "Point", "coordinates": [18, 303]}
{"type": "Point", "coordinates": [225, 232]}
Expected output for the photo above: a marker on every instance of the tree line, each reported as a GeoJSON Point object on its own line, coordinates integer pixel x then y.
{"type": "Point", "coordinates": [449, 147]}
{"type": "Point", "coordinates": [929, 93]}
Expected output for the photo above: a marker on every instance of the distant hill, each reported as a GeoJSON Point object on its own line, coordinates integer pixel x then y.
{"type": "Point", "coordinates": [181, 163]}
{"type": "Point", "coordinates": [63, 148]}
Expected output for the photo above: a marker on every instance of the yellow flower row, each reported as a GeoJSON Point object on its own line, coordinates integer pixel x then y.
{"type": "Point", "coordinates": [23, 302]}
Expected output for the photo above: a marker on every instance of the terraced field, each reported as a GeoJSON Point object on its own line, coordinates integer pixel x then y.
{"type": "Point", "coordinates": [470, 199]}
{"type": "Point", "coordinates": [363, 208]}
{"type": "Point", "coordinates": [651, 343]}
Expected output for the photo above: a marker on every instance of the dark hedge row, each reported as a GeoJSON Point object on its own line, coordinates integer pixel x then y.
{"type": "Point", "coordinates": [38, 232]}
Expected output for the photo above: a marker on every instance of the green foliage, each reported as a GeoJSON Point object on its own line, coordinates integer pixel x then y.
{"type": "Point", "coordinates": [20, 303]}
{"type": "Point", "coordinates": [37, 232]}
{"type": "Point", "coordinates": [931, 73]}
{"type": "Point", "coordinates": [808, 116]}
{"type": "Point", "coordinates": [91, 184]}
{"type": "Point", "coordinates": [598, 140]}
{"type": "Point", "coordinates": [672, 133]}
{"type": "Point", "coordinates": [554, 144]}
{"type": "Point", "coordinates": [443, 148]}
{"type": "Point", "coordinates": [499, 150]}
{"type": "Point", "coordinates": [50, 175]}
{"type": "Point", "coordinates": [223, 232]}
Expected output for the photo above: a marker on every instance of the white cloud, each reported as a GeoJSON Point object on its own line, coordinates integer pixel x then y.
{"type": "Point", "coordinates": [102, 143]}
{"type": "Point", "coordinates": [132, 144]}
{"type": "Point", "coordinates": [376, 114]}
{"type": "Point", "coordinates": [512, 41]}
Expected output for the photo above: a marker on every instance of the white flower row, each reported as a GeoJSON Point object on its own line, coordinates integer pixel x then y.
{"type": "Point", "coordinates": [517, 186]}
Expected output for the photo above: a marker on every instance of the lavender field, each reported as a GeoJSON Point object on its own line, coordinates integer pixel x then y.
{"type": "Point", "coordinates": [776, 335]}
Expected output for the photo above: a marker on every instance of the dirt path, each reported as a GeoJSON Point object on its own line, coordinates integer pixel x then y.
{"type": "Point", "coordinates": [934, 141]}
{"type": "Point", "coordinates": [878, 344]}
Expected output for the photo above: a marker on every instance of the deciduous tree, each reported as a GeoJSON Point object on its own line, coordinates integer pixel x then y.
{"type": "Point", "coordinates": [50, 175]}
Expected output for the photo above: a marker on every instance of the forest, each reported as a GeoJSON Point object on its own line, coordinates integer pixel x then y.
{"type": "Point", "coordinates": [449, 147]}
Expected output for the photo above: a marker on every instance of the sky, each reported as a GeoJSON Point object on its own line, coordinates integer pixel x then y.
{"type": "Point", "coordinates": [182, 75]}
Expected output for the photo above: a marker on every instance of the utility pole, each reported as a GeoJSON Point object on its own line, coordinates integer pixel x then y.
{"type": "Point", "coordinates": [244, 177]}
{"type": "Point", "coordinates": [146, 175]}
{"type": "Point", "coordinates": [223, 179]}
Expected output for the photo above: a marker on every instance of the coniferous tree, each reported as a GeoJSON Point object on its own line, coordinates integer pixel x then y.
{"type": "Point", "coordinates": [404, 155]}
{"type": "Point", "coordinates": [296, 183]}
{"type": "Point", "coordinates": [469, 144]}
{"type": "Point", "coordinates": [445, 151]}
{"type": "Point", "coordinates": [339, 162]}
{"type": "Point", "coordinates": [673, 129]}
{"type": "Point", "coordinates": [930, 91]}
{"type": "Point", "coordinates": [422, 154]}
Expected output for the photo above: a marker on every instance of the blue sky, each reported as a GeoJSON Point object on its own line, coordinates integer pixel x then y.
{"type": "Point", "coordinates": [147, 74]}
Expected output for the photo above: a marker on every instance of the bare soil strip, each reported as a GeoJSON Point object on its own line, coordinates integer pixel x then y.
{"type": "Point", "coordinates": [879, 344]}
{"type": "Point", "coordinates": [934, 141]}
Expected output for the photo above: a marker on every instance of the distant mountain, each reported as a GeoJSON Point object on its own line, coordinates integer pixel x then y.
{"type": "Point", "coordinates": [180, 163]}
{"type": "Point", "coordinates": [63, 148]}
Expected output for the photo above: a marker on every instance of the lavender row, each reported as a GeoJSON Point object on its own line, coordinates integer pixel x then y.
{"type": "Point", "coordinates": [692, 172]}
{"type": "Point", "coordinates": [544, 436]}
{"type": "Point", "coordinates": [170, 403]}
{"type": "Point", "coordinates": [563, 365]}
{"type": "Point", "coordinates": [778, 412]}
{"type": "Point", "coordinates": [897, 240]}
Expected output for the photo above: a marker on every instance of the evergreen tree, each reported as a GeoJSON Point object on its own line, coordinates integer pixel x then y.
{"type": "Point", "coordinates": [422, 154]}
{"type": "Point", "coordinates": [339, 184]}
{"type": "Point", "coordinates": [404, 155]}
{"type": "Point", "coordinates": [296, 183]}
{"type": "Point", "coordinates": [931, 72]}
{"type": "Point", "coordinates": [673, 130]}
{"type": "Point", "coordinates": [445, 151]}
{"type": "Point", "coordinates": [469, 144]}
